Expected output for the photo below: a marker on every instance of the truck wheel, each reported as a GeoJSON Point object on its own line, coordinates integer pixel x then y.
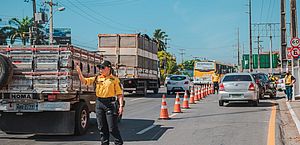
{"type": "Point", "coordinates": [6, 71]}
{"type": "Point", "coordinates": [82, 118]}
{"type": "Point", "coordinates": [155, 91]}
{"type": "Point", "coordinates": [168, 92]}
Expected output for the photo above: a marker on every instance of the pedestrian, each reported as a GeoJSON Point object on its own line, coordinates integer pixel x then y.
{"type": "Point", "coordinates": [289, 81]}
{"type": "Point", "coordinates": [107, 109]}
{"type": "Point", "coordinates": [215, 80]}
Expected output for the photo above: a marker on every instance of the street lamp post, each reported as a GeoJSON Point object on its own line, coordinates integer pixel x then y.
{"type": "Point", "coordinates": [51, 4]}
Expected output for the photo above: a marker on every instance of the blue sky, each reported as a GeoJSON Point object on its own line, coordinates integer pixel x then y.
{"type": "Point", "coordinates": [204, 28]}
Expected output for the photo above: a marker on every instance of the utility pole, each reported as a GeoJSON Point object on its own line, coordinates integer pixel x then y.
{"type": "Point", "coordinates": [243, 51]}
{"type": "Point", "coordinates": [271, 55]}
{"type": "Point", "coordinates": [294, 33]}
{"type": "Point", "coordinates": [182, 54]}
{"type": "Point", "coordinates": [51, 23]}
{"type": "Point", "coordinates": [250, 33]}
{"type": "Point", "coordinates": [35, 28]}
{"type": "Point", "coordinates": [258, 53]}
{"type": "Point", "coordinates": [283, 36]}
{"type": "Point", "coordinates": [238, 46]}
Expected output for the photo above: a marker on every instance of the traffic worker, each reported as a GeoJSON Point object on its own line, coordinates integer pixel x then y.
{"type": "Point", "coordinates": [215, 80]}
{"type": "Point", "coordinates": [289, 81]}
{"type": "Point", "coordinates": [107, 87]}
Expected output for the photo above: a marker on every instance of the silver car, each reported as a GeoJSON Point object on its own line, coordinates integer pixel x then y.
{"type": "Point", "coordinates": [238, 87]}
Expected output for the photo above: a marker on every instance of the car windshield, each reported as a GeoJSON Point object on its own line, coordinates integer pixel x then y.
{"type": "Point", "coordinates": [177, 78]}
{"type": "Point", "coordinates": [233, 78]}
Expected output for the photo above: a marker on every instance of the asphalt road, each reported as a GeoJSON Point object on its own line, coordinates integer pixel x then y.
{"type": "Point", "coordinates": [204, 124]}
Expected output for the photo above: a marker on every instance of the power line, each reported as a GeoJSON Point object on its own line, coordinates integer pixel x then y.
{"type": "Point", "coordinates": [109, 3]}
{"type": "Point", "coordinates": [97, 13]}
{"type": "Point", "coordinates": [261, 10]}
{"type": "Point", "coordinates": [92, 18]}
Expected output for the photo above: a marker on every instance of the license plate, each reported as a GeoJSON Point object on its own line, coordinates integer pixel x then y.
{"type": "Point", "coordinates": [26, 107]}
{"type": "Point", "coordinates": [236, 96]}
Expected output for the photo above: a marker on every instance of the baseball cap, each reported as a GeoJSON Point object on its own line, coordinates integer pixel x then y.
{"type": "Point", "coordinates": [103, 64]}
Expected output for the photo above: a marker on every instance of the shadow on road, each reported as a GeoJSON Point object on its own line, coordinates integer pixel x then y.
{"type": "Point", "coordinates": [245, 104]}
{"type": "Point", "coordinates": [128, 127]}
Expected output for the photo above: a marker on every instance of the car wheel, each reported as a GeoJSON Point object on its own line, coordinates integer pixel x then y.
{"type": "Point", "coordinates": [272, 95]}
{"type": "Point", "coordinates": [255, 103]}
{"type": "Point", "coordinates": [221, 103]}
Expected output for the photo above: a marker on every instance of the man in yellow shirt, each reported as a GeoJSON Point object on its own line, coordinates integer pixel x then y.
{"type": "Point", "coordinates": [215, 80]}
{"type": "Point", "coordinates": [289, 81]}
{"type": "Point", "coordinates": [107, 87]}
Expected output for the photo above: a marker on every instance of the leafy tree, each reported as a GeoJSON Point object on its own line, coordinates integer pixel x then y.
{"type": "Point", "coordinates": [188, 64]}
{"type": "Point", "coordinates": [167, 64]}
{"type": "Point", "coordinates": [3, 37]}
{"type": "Point", "coordinates": [19, 29]}
{"type": "Point", "coordinates": [159, 36]}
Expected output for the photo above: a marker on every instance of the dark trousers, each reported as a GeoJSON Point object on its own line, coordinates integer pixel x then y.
{"type": "Point", "coordinates": [289, 92]}
{"type": "Point", "coordinates": [216, 87]}
{"type": "Point", "coordinates": [107, 115]}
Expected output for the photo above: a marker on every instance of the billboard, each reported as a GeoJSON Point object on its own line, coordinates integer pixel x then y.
{"type": "Point", "coordinates": [60, 35]}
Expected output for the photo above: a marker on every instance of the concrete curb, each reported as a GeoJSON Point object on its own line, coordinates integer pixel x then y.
{"type": "Point", "coordinates": [290, 135]}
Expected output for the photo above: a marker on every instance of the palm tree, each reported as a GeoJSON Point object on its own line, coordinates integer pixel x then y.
{"type": "Point", "coordinates": [19, 29]}
{"type": "Point", "coordinates": [159, 36]}
{"type": "Point", "coordinates": [3, 36]}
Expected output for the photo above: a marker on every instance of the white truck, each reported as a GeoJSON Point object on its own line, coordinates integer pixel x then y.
{"type": "Point", "coordinates": [134, 57]}
{"type": "Point", "coordinates": [40, 91]}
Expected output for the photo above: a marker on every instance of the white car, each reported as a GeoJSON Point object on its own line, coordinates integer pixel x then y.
{"type": "Point", "coordinates": [280, 84]}
{"type": "Point", "coordinates": [167, 79]}
{"type": "Point", "coordinates": [178, 83]}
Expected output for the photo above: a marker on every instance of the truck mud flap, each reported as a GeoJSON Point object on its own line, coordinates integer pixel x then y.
{"type": "Point", "coordinates": [41, 123]}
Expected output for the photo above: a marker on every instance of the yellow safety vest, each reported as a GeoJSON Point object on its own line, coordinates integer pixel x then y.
{"type": "Point", "coordinates": [288, 79]}
{"type": "Point", "coordinates": [215, 78]}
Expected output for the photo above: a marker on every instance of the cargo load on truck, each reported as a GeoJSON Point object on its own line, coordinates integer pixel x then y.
{"type": "Point", "coordinates": [41, 92]}
{"type": "Point", "coordinates": [134, 58]}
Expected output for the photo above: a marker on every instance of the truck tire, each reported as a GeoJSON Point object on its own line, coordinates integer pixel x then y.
{"type": "Point", "coordinates": [6, 71]}
{"type": "Point", "coordinates": [155, 91]}
{"type": "Point", "coordinates": [82, 118]}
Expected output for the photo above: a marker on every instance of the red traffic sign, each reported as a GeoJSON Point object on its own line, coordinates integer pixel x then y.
{"type": "Point", "coordinates": [295, 52]}
{"type": "Point", "coordinates": [295, 42]}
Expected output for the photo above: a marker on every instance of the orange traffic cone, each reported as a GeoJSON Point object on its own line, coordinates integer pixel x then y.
{"type": "Point", "coordinates": [202, 93]}
{"type": "Point", "coordinates": [177, 108]}
{"type": "Point", "coordinates": [192, 101]}
{"type": "Point", "coordinates": [196, 94]}
{"type": "Point", "coordinates": [164, 110]}
{"type": "Point", "coordinates": [185, 103]}
{"type": "Point", "coordinates": [199, 93]}
{"type": "Point", "coordinates": [211, 89]}
{"type": "Point", "coordinates": [205, 91]}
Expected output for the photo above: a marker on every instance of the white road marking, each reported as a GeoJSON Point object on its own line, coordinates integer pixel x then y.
{"type": "Point", "coordinates": [146, 129]}
{"type": "Point", "coordinates": [136, 99]}
{"type": "Point", "coordinates": [172, 115]}
{"type": "Point", "coordinates": [294, 116]}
